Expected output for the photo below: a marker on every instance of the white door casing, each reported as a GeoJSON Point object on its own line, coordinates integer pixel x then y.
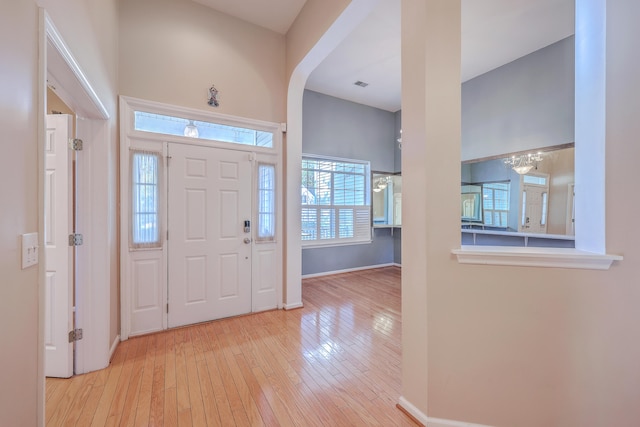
{"type": "Point", "coordinates": [58, 216]}
{"type": "Point", "coordinates": [533, 219]}
{"type": "Point", "coordinates": [209, 250]}
{"type": "Point", "coordinates": [570, 225]}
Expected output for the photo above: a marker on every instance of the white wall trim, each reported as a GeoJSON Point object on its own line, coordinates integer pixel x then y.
{"type": "Point", "coordinates": [292, 306]}
{"type": "Point", "coordinates": [430, 421]}
{"type": "Point", "coordinates": [348, 270]}
{"type": "Point", "coordinates": [84, 97]}
{"type": "Point", "coordinates": [93, 280]}
{"type": "Point", "coordinates": [413, 411]}
{"type": "Point", "coordinates": [114, 346]}
{"type": "Point", "coordinates": [534, 257]}
{"type": "Point", "coordinates": [395, 264]}
{"type": "Point", "coordinates": [439, 422]}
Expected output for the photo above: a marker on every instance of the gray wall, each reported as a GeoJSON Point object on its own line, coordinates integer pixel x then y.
{"type": "Point", "coordinates": [334, 127]}
{"type": "Point", "coordinates": [339, 128]}
{"type": "Point", "coordinates": [526, 104]}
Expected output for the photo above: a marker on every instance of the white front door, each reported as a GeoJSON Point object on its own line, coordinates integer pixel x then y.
{"type": "Point", "coordinates": [58, 220]}
{"type": "Point", "coordinates": [535, 210]}
{"type": "Point", "coordinates": [209, 249]}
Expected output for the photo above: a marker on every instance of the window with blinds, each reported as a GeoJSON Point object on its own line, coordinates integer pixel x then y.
{"type": "Point", "coordinates": [145, 215]}
{"type": "Point", "coordinates": [336, 205]}
{"type": "Point", "coordinates": [495, 203]}
{"type": "Point", "coordinates": [266, 203]}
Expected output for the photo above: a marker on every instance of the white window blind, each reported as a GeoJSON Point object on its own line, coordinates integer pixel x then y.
{"type": "Point", "coordinates": [495, 203]}
{"type": "Point", "coordinates": [145, 203]}
{"type": "Point", "coordinates": [336, 205]}
{"type": "Point", "coordinates": [266, 203]}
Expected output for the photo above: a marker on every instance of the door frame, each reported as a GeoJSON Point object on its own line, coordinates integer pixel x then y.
{"type": "Point", "coordinates": [59, 68]}
{"type": "Point", "coordinates": [522, 189]}
{"type": "Point", "coordinates": [147, 268]}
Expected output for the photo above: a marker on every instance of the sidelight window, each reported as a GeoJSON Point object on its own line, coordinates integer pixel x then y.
{"type": "Point", "coordinates": [145, 224]}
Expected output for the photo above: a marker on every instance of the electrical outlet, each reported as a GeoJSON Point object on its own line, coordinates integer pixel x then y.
{"type": "Point", "coordinates": [29, 249]}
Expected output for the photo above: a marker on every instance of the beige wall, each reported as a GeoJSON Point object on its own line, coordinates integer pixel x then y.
{"type": "Point", "coordinates": [88, 28]}
{"type": "Point", "coordinates": [172, 51]}
{"type": "Point", "coordinates": [18, 212]}
{"type": "Point", "coordinates": [516, 346]}
{"type": "Point", "coordinates": [310, 25]}
{"type": "Point", "coordinates": [561, 169]}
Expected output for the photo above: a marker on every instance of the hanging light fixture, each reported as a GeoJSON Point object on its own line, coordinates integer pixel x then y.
{"type": "Point", "coordinates": [191, 130]}
{"type": "Point", "coordinates": [523, 163]}
{"type": "Point", "coordinates": [381, 183]}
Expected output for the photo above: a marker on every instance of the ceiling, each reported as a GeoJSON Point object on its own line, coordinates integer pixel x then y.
{"type": "Point", "coordinates": [494, 33]}
{"type": "Point", "coordinates": [275, 15]}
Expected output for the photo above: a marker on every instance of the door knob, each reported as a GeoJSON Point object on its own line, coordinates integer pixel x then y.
{"type": "Point", "coordinates": [247, 240]}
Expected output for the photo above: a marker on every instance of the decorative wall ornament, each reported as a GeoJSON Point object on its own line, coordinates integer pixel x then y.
{"type": "Point", "coordinates": [213, 97]}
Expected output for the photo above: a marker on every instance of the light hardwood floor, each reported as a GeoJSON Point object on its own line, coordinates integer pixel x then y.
{"type": "Point", "coordinates": [335, 362]}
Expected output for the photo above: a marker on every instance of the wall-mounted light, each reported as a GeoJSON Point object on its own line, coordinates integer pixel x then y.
{"type": "Point", "coordinates": [191, 130]}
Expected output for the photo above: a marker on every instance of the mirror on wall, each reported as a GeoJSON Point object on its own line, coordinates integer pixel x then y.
{"type": "Point", "coordinates": [530, 192]}
{"type": "Point", "coordinates": [386, 199]}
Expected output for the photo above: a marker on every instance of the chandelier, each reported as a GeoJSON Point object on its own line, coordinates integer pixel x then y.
{"type": "Point", "coordinates": [523, 163]}
{"type": "Point", "coordinates": [381, 183]}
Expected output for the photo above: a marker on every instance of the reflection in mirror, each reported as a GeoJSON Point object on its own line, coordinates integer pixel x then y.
{"type": "Point", "coordinates": [386, 199]}
{"type": "Point", "coordinates": [520, 192]}
{"type": "Point", "coordinates": [471, 204]}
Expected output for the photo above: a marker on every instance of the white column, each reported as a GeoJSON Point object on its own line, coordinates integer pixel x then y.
{"type": "Point", "coordinates": [431, 107]}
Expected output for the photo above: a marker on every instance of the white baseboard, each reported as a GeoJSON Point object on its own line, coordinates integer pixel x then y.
{"type": "Point", "coordinates": [413, 411]}
{"type": "Point", "coordinates": [347, 270]}
{"type": "Point", "coordinates": [430, 421]}
{"type": "Point", "coordinates": [292, 306]}
{"type": "Point", "coordinates": [395, 264]}
{"type": "Point", "coordinates": [114, 345]}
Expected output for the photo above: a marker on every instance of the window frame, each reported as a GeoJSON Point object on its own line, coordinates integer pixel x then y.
{"type": "Point", "coordinates": [158, 242]}
{"type": "Point", "coordinates": [357, 210]}
{"type": "Point", "coordinates": [274, 188]}
{"type": "Point", "coordinates": [493, 203]}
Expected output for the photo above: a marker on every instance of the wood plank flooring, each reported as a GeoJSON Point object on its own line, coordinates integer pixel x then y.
{"type": "Point", "coordinates": [335, 362]}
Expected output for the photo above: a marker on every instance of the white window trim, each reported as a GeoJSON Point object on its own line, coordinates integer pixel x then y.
{"type": "Point", "coordinates": [273, 238]}
{"type": "Point", "coordinates": [159, 189]}
{"type": "Point", "coordinates": [136, 104]}
{"type": "Point", "coordinates": [326, 243]}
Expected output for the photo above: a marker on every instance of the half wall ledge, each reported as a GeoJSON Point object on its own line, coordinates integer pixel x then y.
{"type": "Point", "coordinates": [534, 257]}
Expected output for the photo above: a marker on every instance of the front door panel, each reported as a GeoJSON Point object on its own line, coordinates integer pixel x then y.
{"type": "Point", "coordinates": [209, 198]}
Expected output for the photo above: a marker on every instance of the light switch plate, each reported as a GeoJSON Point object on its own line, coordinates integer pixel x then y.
{"type": "Point", "coordinates": [29, 249]}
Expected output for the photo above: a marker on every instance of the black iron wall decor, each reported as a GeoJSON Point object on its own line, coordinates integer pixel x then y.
{"type": "Point", "coordinates": [213, 97]}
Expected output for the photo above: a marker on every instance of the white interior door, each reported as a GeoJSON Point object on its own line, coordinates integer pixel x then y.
{"type": "Point", "coordinates": [535, 209]}
{"type": "Point", "coordinates": [58, 253]}
{"type": "Point", "coordinates": [209, 249]}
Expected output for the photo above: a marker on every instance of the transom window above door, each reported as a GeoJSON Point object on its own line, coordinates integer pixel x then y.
{"type": "Point", "coordinates": [178, 126]}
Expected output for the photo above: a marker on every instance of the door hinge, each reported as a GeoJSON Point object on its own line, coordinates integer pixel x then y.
{"type": "Point", "coordinates": [75, 144]}
{"type": "Point", "coordinates": [168, 158]}
{"type": "Point", "coordinates": [75, 335]}
{"type": "Point", "coordinates": [75, 239]}
{"type": "Point", "coordinates": [167, 307]}
{"type": "Point", "coordinates": [167, 234]}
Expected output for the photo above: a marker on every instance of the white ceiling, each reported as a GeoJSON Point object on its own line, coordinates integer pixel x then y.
{"type": "Point", "coordinates": [494, 32]}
